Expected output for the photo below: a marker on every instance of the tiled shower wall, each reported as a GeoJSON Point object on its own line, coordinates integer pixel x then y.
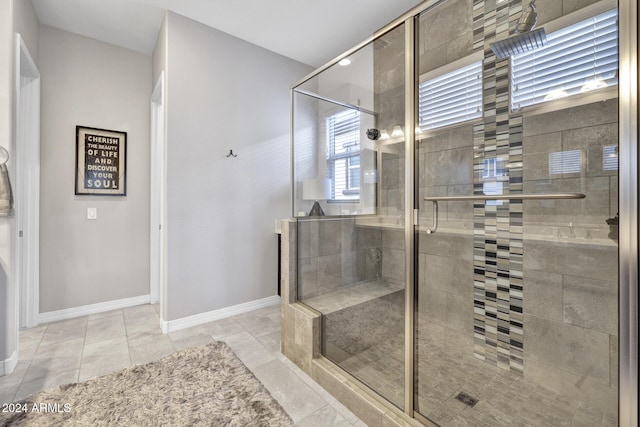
{"type": "Point", "coordinates": [337, 253]}
{"type": "Point", "coordinates": [570, 265]}
{"type": "Point", "coordinates": [334, 253]}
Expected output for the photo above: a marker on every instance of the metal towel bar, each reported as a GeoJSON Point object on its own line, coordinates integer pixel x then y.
{"type": "Point", "coordinates": [483, 197]}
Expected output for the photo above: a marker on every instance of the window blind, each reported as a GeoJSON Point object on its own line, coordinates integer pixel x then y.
{"type": "Point", "coordinates": [562, 162]}
{"type": "Point", "coordinates": [578, 58]}
{"type": "Point", "coordinates": [343, 155]}
{"type": "Point", "coordinates": [610, 158]}
{"type": "Point", "coordinates": [451, 98]}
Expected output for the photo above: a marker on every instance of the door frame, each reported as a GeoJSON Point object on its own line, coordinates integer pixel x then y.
{"type": "Point", "coordinates": [27, 195]}
{"type": "Point", "coordinates": [157, 199]}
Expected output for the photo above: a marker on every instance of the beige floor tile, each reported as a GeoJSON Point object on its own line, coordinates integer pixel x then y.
{"type": "Point", "coordinates": [149, 349]}
{"type": "Point", "coordinates": [190, 341]}
{"type": "Point", "coordinates": [64, 331]}
{"type": "Point", "coordinates": [16, 377]}
{"type": "Point", "coordinates": [32, 334]}
{"type": "Point", "coordinates": [143, 326]}
{"type": "Point", "coordinates": [96, 367]}
{"type": "Point", "coordinates": [295, 396]}
{"type": "Point", "coordinates": [104, 314]}
{"type": "Point", "coordinates": [105, 328]}
{"type": "Point", "coordinates": [139, 310]}
{"type": "Point", "coordinates": [79, 349]}
{"type": "Point", "coordinates": [8, 392]}
{"type": "Point", "coordinates": [324, 417]}
{"type": "Point", "coordinates": [260, 322]}
{"type": "Point", "coordinates": [222, 328]}
{"type": "Point", "coordinates": [106, 348]}
{"type": "Point", "coordinates": [270, 341]}
{"type": "Point", "coordinates": [46, 382]}
{"type": "Point", "coordinates": [249, 350]}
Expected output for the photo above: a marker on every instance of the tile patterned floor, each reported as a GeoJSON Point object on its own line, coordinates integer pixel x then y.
{"type": "Point", "coordinates": [366, 339]}
{"type": "Point", "coordinates": [85, 347]}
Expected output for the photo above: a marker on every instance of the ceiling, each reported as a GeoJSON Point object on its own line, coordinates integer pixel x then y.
{"type": "Point", "coordinates": [310, 31]}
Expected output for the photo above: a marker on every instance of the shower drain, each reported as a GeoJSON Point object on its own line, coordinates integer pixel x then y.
{"type": "Point", "coordinates": [466, 399]}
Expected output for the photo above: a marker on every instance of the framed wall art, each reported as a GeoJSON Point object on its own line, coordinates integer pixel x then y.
{"type": "Point", "coordinates": [101, 162]}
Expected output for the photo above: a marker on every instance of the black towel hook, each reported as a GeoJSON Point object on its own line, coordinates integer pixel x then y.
{"type": "Point", "coordinates": [231, 154]}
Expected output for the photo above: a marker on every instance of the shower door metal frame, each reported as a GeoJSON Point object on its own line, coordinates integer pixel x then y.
{"type": "Point", "coordinates": [628, 198]}
{"type": "Point", "coordinates": [628, 208]}
{"type": "Point", "coordinates": [409, 213]}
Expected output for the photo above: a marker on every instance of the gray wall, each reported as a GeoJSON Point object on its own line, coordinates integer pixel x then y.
{"type": "Point", "coordinates": [90, 83]}
{"type": "Point", "coordinates": [224, 93]}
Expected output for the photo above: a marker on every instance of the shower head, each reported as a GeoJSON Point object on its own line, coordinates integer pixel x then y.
{"type": "Point", "coordinates": [519, 43]}
{"type": "Point", "coordinates": [525, 39]}
{"type": "Point", "coordinates": [373, 134]}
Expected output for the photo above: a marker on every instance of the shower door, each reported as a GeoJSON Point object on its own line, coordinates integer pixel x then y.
{"type": "Point", "coordinates": [517, 174]}
{"type": "Point", "coordinates": [349, 122]}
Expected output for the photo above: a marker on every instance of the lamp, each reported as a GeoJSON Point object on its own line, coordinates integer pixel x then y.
{"type": "Point", "coordinates": [397, 132]}
{"type": "Point", "coordinates": [316, 189]}
{"type": "Point", "coordinates": [593, 84]}
{"type": "Point", "coordinates": [556, 94]}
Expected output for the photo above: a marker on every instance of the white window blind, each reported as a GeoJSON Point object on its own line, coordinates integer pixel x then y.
{"type": "Point", "coordinates": [343, 155]}
{"type": "Point", "coordinates": [577, 58]}
{"type": "Point", "coordinates": [565, 162]}
{"type": "Point", "coordinates": [610, 158]}
{"type": "Point", "coordinates": [451, 98]}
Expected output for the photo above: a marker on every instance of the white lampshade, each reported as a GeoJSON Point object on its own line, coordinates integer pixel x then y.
{"type": "Point", "coordinates": [316, 189]}
{"type": "Point", "coordinates": [397, 132]}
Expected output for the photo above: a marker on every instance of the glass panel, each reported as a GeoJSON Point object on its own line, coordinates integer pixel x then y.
{"type": "Point", "coordinates": [348, 130]}
{"type": "Point", "coordinates": [517, 300]}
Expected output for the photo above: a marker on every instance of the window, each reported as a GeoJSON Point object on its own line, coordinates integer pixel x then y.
{"type": "Point", "coordinates": [451, 98]}
{"type": "Point", "coordinates": [343, 155]}
{"type": "Point", "coordinates": [610, 158]}
{"type": "Point", "coordinates": [576, 59]}
{"type": "Point", "coordinates": [565, 162]}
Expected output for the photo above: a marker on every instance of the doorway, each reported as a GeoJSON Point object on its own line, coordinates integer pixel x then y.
{"type": "Point", "coordinates": [157, 198]}
{"type": "Point", "coordinates": [27, 194]}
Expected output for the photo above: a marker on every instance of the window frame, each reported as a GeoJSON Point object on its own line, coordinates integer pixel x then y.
{"type": "Point", "coordinates": [332, 158]}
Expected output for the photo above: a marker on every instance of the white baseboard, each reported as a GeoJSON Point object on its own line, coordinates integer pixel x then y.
{"type": "Point", "coordinates": [69, 313]}
{"type": "Point", "coordinates": [7, 366]}
{"type": "Point", "coordinates": [210, 316]}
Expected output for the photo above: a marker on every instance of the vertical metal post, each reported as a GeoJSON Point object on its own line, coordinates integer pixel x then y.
{"type": "Point", "coordinates": [409, 204]}
{"type": "Point", "coordinates": [628, 206]}
{"type": "Point", "coordinates": [292, 158]}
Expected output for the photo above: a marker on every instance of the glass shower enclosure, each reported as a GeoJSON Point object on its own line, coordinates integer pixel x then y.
{"type": "Point", "coordinates": [457, 214]}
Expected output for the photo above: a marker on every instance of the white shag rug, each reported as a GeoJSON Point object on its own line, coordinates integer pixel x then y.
{"type": "Point", "coordinates": [202, 386]}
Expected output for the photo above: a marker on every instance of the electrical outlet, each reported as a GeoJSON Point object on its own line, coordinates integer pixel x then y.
{"type": "Point", "coordinates": [92, 213]}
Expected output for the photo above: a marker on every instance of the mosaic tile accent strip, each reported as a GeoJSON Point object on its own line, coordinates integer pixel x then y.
{"type": "Point", "coordinates": [498, 284]}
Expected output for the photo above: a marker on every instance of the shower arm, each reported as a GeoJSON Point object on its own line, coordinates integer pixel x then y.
{"type": "Point", "coordinates": [538, 196]}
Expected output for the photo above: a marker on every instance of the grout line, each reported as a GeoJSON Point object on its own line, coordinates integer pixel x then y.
{"type": "Point", "coordinates": [84, 343]}
{"type": "Point", "coordinates": [126, 333]}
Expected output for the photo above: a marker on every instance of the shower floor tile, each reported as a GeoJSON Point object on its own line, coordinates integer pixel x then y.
{"type": "Point", "coordinates": [367, 340]}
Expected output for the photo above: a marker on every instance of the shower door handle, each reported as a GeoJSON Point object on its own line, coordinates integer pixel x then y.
{"type": "Point", "coordinates": [539, 196]}
{"type": "Point", "coordinates": [434, 225]}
